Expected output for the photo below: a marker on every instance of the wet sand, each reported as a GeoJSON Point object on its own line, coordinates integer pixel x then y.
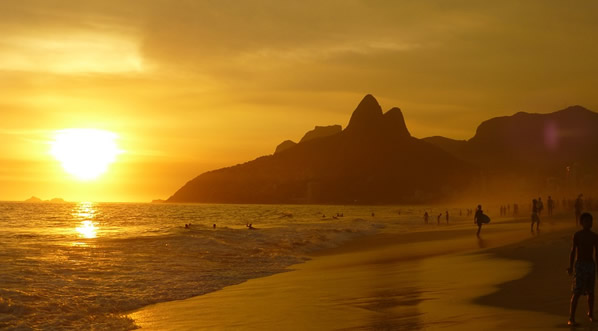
{"type": "Point", "coordinates": [445, 278]}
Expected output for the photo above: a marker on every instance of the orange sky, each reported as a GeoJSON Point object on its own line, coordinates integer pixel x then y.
{"type": "Point", "coordinates": [190, 86]}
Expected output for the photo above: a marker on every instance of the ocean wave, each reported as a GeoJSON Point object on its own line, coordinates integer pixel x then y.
{"type": "Point", "coordinates": [71, 282]}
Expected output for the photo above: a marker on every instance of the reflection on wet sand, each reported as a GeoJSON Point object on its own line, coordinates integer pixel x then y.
{"type": "Point", "coordinates": [396, 309]}
{"type": "Point", "coordinates": [370, 284]}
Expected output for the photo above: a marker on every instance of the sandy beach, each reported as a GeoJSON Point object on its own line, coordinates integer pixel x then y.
{"type": "Point", "coordinates": [438, 278]}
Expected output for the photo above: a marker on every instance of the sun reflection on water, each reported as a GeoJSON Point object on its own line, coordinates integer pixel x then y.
{"type": "Point", "coordinates": [87, 230]}
{"type": "Point", "coordinates": [85, 213]}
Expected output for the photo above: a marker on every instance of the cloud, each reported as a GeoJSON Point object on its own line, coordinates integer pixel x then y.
{"type": "Point", "coordinates": [84, 53]}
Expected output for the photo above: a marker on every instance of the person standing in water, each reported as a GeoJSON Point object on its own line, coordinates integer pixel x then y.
{"type": "Point", "coordinates": [585, 248]}
{"type": "Point", "coordinates": [477, 219]}
{"type": "Point", "coordinates": [535, 217]}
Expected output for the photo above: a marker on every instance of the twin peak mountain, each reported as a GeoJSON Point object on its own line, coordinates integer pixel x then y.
{"type": "Point", "coordinates": [375, 160]}
{"type": "Point", "coordinates": [367, 119]}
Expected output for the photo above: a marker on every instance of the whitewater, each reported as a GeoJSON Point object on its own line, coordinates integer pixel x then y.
{"type": "Point", "coordinates": [85, 265]}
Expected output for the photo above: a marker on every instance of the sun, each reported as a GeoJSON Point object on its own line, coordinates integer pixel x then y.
{"type": "Point", "coordinates": [85, 153]}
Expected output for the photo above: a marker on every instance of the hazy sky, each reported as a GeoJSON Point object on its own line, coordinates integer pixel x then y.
{"type": "Point", "coordinates": [190, 86]}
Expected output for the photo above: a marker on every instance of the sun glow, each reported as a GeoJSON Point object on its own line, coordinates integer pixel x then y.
{"type": "Point", "coordinates": [85, 153]}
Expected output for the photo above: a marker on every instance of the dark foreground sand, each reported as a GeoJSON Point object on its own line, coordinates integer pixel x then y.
{"type": "Point", "coordinates": [445, 279]}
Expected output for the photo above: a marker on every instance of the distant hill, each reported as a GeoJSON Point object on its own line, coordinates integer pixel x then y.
{"type": "Point", "coordinates": [373, 160]}
{"type": "Point", "coordinates": [283, 146]}
{"type": "Point", "coordinates": [34, 199]}
{"type": "Point", "coordinates": [524, 143]}
{"type": "Point", "coordinates": [57, 200]}
{"type": "Point", "coordinates": [317, 133]}
{"type": "Point", "coordinates": [558, 147]}
{"type": "Point", "coordinates": [321, 132]}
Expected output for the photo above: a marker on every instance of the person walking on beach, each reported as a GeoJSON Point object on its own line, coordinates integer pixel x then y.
{"type": "Point", "coordinates": [585, 248]}
{"type": "Point", "coordinates": [477, 219]}
{"type": "Point", "coordinates": [578, 208]}
{"type": "Point", "coordinates": [426, 216]}
{"type": "Point", "coordinates": [535, 217]}
{"type": "Point", "coordinates": [438, 218]}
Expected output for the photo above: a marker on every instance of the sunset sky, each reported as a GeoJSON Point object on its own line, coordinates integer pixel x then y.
{"type": "Point", "coordinates": [190, 86]}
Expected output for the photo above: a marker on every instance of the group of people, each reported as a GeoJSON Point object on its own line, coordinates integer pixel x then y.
{"type": "Point", "coordinates": [583, 256]}
{"type": "Point", "coordinates": [505, 210]}
{"type": "Point", "coordinates": [438, 217]}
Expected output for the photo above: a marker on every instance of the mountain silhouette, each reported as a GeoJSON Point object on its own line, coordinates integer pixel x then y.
{"type": "Point", "coordinates": [529, 153]}
{"type": "Point", "coordinates": [321, 132]}
{"type": "Point", "coordinates": [540, 144]}
{"type": "Point", "coordinates": [317, 133]}
{"type": "Point", "coordinates": [283, 146]}
{"type": "Point", "coordinates": [373, 160]}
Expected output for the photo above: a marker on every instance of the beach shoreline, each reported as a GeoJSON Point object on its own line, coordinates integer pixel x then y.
{"type": "Point", "coordinates": [423, 279]}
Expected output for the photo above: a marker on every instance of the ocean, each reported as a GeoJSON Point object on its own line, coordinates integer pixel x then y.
{"type": "Point", "coordinates": [86, 265]}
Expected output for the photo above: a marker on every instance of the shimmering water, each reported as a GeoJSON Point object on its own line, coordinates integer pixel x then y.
{"type": "Point", "coordinates": [84, 265]}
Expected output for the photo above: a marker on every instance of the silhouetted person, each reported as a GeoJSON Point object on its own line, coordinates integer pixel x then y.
{"type": "Point", "coordinates": [550, 205]}
{"type": "Point", "coordinates": [426, 216]}
{"type": "Point", "coordinates": [477, 219]}
{"type": "Point", "coordinates": [446, 215]}
{"type": "Point", "coordinates": [585, 248]}
{"type": "Point", "coordinates": [213, 226]}
{"type": "Point", "coordinates": [578, 208]}
{"type": "Point", "coordinates": [438, 218]}
{"type": "Point", "coordinates": [535, 217]}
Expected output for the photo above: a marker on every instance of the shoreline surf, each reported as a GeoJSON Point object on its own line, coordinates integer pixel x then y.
{"type": "Point", "coordinates": [390, 258]}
